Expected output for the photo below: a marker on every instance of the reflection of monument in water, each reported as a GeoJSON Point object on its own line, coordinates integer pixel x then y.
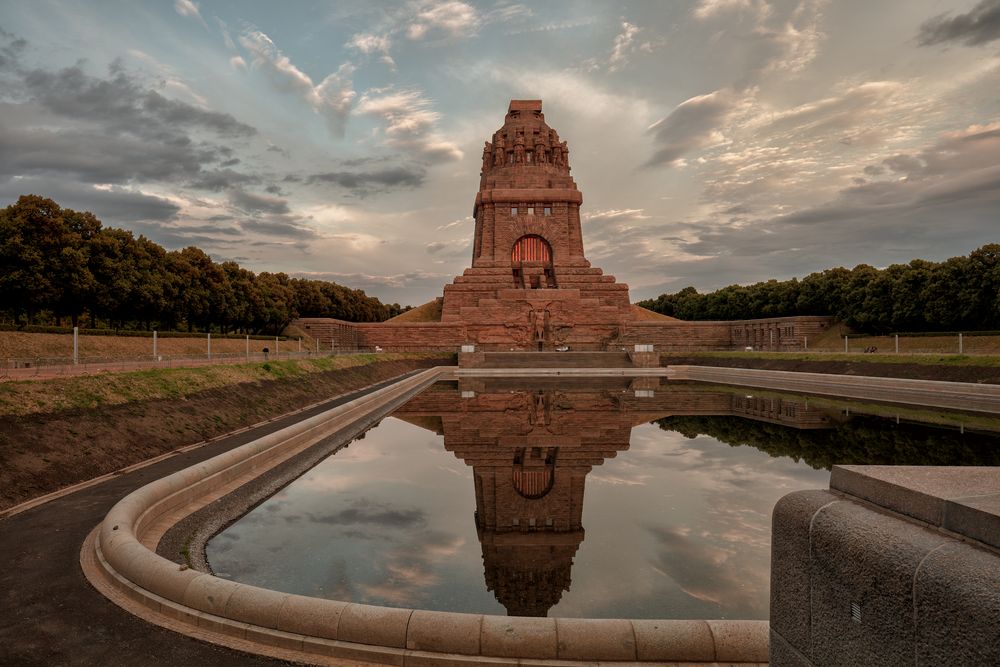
{"type": "Point", "coordinates": [531, 450]}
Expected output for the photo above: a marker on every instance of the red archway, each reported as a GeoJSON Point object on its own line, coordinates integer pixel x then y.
{"type": "Point", "coordinates": [531, 248]}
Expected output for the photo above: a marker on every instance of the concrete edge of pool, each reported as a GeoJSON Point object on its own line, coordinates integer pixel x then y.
{"type": "Point", "coordinates": [120, 561]}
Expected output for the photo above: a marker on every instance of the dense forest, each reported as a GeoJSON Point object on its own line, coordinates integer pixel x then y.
{"type": "Point", "coordinates": [962, 293]}
{"type": "Point", "coordinates": [861, 440]}
{"type": "Point", "coordinates": [57, 264]}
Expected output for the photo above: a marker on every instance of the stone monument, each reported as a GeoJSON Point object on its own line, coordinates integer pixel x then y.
{"type": "Point", "coordinates": [530, 285]}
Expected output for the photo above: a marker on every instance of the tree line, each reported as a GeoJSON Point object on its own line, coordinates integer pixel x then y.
{"type": "Point", "coordinates": [961, 293]}
{"type": "Point", "coordinates": [58, 264]}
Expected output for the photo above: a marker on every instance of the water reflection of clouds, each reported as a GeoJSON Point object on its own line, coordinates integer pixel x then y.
{"type": "Point", "coordinates": [706, 554]}
{"type": "Point", "coordinates": [413, 567]}
{"type": "Point", "coordinates": [365, 511]}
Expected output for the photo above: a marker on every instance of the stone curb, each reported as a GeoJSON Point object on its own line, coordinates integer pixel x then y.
{"type": "Point", "coordinates": [196, 603]}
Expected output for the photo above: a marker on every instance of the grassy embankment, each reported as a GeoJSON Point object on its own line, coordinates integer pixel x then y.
{"type": "Point", "coordinates": [26, 397]}
{"type": "Point", "coordinates": [54, 433]}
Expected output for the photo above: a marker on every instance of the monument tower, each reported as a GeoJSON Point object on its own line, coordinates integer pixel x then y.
{"type": "Point", "coordinates": [530, 285]}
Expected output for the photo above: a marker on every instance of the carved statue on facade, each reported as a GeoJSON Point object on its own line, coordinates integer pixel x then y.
{"type": "Point", "coordinates": [557, 158]}
{"type": "Point", "coordinates": [499, 152]}
{"type": "Point", "coordinates": [539, 320]}
{"type": "Point", "coordinates": [519, 149]}
{"type": "Point", "coordinates": [487, 156]}
{"type": "Point", "coordinates": [539, 150]}
{"type": "Point", "coordinates": [540, 408]}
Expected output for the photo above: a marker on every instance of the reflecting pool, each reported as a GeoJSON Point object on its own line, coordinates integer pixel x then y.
{"type": "Point", "coordinates": [612, 498]}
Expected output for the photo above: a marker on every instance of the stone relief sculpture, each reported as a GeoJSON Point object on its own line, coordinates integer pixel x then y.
{"type": "Point", "coordinates": [539, 320]}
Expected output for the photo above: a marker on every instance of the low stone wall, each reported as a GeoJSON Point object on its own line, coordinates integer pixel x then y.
{"type": "Point", "coordinates": [119, 560]}
{"type": "Point", "coordinates": [894, 565]}
{"type": "Point", "coordinates": [500, 334]}
{"type": "Point", "coordinates": [952, 395]}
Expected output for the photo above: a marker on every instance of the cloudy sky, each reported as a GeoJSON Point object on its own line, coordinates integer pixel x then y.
{"type": "Point", "coordinates": [715, 141]}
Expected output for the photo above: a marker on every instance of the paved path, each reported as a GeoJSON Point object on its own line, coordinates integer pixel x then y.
{"type": "Point", "coordinates": [49, 613]}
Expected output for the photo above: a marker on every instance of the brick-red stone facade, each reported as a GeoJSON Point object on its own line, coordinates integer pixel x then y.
{"type": "Point", "coordinates": [530, 287]}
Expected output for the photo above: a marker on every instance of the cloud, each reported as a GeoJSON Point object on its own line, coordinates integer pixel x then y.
{"type": "Point", "coordinates": [978, 26]}
{"type": "Point", "coordinates": [706, 9]}
{"type": "Point", "coordinates": [249, 202]}
{"type": "Point", "coordinates": [370, 43]}
{"type": "Point", "coordinates": [238, 63]}
{"type": "Point", "coordinates": [365, 182]}
{"type": "Point", "coordinates": [693, 124]}
{"type": "Point", "coordinates": [409, 123]}
{"type": "Point", "coordinates": [432, 19]}
{"type": "Point", "coordinates": [122, 102]}
{"type": "Point", "coordinates": [112, 204]}
{"type": "Point", "coordinates": [97, 157]}
{"type": "Point", "coordinates": [332, 98]}
{"type": "Point", "coordinates": [286, 227]}
{"type": "Point", "coordinates": [190, 9]}
{"type": "Point", "coordinates": [892, 218]}
{"type": "Point", "coordinates": [776, 37]}
{"type": "Point", "coordinates": [623, 46]}
{"type": "Point", "coordinates": [218, 180]}
{"type": "Point", "coordinates": [788, 157]}
{"type": "Point", "coordinates": [450, 17]}
{"type": "Point", "coordinates": [616, 215]}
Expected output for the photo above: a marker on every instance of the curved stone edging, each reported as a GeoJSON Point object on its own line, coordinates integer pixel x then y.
{"type": "Point", "coordinates": [121, 553]}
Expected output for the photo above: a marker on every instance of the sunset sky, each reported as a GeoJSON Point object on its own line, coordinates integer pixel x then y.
{"type": "Point", "coordinates": [715, 142]}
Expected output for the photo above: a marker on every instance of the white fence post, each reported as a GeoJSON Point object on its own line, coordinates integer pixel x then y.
{"type": "Point", "coordinates": [155, 351]}
{"type": "Point", "coordinates": [897, 343]}
{"type": "Point", "coordinates": [845, 344]}
{"type": "Point", "coordinates": [209, 344]}
{"type": "Point", "coordinates": [961, 346]}
{"type": "Point", "coordinates": [76, 345]}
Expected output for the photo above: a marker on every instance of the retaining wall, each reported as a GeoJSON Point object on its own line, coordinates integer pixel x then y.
{"type": "Point", "coordinates": [953, 395]}
{"type": "Point", "coordinates": [894, 565]}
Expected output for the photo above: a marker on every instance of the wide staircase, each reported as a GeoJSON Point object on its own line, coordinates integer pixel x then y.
{"type": "Point", "coordinates": [556, 360]}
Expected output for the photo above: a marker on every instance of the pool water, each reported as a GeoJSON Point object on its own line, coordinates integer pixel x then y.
{"type": "Point", "coordinates": [611, 499]}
